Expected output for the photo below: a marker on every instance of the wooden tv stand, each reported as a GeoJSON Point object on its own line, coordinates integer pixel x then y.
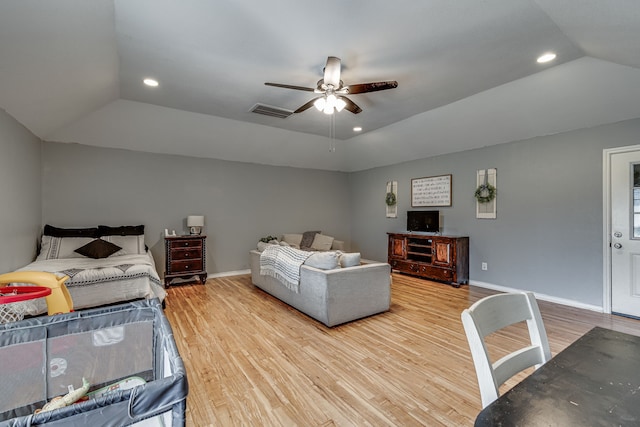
{"type": "Point", "coordinates": [435, 257]}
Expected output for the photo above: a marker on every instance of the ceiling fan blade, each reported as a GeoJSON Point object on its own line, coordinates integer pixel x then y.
{"type": "Point", "coordinates": [371, 87]}
{"type": "Point", "coordinates": [307, 105]}
{"type": "Point", "coordinates": [351, 106]}
{"type": "Point", "coordinates": [332, 72]}
{"type": "Point", "coordinates": [307, 89]}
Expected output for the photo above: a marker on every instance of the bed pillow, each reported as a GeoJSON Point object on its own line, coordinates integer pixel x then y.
{"type": "Point", "coordinates": [52, 231]}
{"type": "Point", "coordinates": [307, 238]}
{"type": "Point", "coordinates": [61, 247]}
{"type": "Point", "coordinates": [124, 230]}
{"type": "Point", "coordinates": [131, 245]}
{"type": "Point", "coordinates": [98, 248]}
{"type": "Point", "coordinates": [322, 242]}
{"type": "Point", "coordinates": [129, 237]}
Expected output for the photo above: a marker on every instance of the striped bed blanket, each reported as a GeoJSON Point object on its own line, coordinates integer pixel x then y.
{"type": "Point", "coordinates": [283, 263]}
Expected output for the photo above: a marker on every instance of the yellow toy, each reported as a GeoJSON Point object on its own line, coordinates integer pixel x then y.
{"type": "Point", "coordinates": [58, 302]}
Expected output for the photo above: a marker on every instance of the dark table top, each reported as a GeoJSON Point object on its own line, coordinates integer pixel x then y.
{"type": "Point", "coordinates": [593, 382]}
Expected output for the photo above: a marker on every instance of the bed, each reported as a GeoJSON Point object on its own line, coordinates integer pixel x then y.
{"type": "Point", "coordinates": [105, 265]}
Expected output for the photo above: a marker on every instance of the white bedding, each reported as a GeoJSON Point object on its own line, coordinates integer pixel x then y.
{"type": "Point", "coordinates": [95, 282]}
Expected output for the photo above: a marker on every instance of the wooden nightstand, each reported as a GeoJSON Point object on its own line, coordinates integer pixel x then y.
{"type": "Point", "coordinates": [185, 258]}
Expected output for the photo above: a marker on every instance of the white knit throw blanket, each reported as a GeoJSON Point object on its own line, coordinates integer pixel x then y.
{"type": "Point", "coordinates": [283, 263]}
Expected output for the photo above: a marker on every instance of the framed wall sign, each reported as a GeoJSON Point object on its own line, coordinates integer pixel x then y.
{"type": "Point", "coordinates": [431, 191]}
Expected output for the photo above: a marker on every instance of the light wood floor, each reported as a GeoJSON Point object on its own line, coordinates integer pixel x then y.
{"type": "Point", "coordinates": [253, 361]}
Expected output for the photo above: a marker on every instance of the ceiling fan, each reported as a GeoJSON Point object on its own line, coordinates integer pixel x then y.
{"type": "Point", "coordinates": [333, 90]}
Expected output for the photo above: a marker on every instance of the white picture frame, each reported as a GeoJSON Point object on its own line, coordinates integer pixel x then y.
{"type": "Point", "coordinates": [431, 191]}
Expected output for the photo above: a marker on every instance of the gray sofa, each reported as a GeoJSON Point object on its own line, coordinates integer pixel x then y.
{"type": "Point", "coordinates": [332, 296]}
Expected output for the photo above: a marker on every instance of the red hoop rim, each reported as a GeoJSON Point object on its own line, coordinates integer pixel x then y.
{"type": "Point", "coordinates": [22, 293]}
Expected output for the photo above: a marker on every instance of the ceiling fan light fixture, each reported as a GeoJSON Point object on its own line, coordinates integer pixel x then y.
{"type": "Point", "coordinates": [328, 109]}
{"type": "Point", "coordinates": [319, 104]}
{"type": "Point", "coordinates": [340, 104]}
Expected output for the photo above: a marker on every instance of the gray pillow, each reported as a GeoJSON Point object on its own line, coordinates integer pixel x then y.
{"type": "Point", "coordinates": [307, 238]}
{"type": "Point", "coordinates": [323, 260]}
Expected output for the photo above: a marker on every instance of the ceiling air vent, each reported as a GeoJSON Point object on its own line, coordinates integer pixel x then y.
{"type": "Point", "coordinates": [269, 110]}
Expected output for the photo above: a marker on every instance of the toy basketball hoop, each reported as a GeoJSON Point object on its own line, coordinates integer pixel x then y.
{"type": "Point", "coordinates": [10, 295]}
{"type": "Point", "coordinates": [14, 305]}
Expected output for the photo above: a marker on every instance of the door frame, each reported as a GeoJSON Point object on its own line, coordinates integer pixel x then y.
{"type": "Point", "coordinates": [607, 154]}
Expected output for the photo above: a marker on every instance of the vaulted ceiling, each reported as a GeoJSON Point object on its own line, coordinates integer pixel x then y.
{"type": "Point", "coordinates": [72, 71]}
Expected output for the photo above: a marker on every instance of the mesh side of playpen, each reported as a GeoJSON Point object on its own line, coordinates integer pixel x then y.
{"type": "Point", "coordinates": [46, 357]}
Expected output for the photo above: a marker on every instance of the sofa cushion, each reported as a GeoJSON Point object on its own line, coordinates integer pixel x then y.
{"type": "Point", "coordinates": [323, 260]}
{"type": "Point", "coordinates": [322, 242]}
{"type": "Point", "coordinates": [349, 259]}
{"type": "Point", "coordinates": [307, 238]}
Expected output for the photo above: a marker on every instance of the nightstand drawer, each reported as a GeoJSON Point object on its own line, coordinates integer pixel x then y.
{"type": "Point", "coordinates": [185, 266]}
{"type": "Point", "coordinates": [186, 254]}
{"type": "Point", "coordinates": [192, 243]}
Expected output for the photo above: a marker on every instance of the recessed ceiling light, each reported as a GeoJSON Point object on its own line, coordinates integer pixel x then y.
{"type": "Point", "coordinates": [151, 82]}
{"type": "Point", "coordinates": [357, 129]}
{"type": "Point", "coordinates": [547, 57]}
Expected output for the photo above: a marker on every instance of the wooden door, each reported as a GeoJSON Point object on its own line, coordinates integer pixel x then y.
{"type": "Point", "coordinates": [397, 247]}
{"type": "Point", "coordinates": [625, 230]}
{"type": "Point", "coordinates": [443, 253]}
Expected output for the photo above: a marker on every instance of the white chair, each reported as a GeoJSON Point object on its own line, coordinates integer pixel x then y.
{"type": "Point", "coordinates": [491, 314]}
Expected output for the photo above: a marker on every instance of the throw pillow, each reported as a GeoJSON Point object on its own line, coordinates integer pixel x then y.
{"type": "Point", "coordinates": [307, 238]}
{"type": "Point", "coordinates": [349, 259]}
{"type": "Point", "coordinates": [98, 249]}
{"type": "Point", "coordinates": [322, 242]}
{"type": "Point", "coordinates": [292, 239]}
{"type": "Point", "coordinates": [323, 260]}
{"type": "Point", "coordinates": [337, 245]}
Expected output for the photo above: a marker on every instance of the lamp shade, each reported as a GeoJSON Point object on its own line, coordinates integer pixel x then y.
{"type": "Point", "coordinates": [195, 221]}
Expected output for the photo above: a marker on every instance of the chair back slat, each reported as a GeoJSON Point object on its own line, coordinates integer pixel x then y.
{"type": "Point", "coordinates": [492, 314]}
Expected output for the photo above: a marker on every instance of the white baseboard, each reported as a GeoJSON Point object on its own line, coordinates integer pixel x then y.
{"type": "Point", "coordinates": [228, 273]}
{"type": "Point", "coordinates": [543, 297]}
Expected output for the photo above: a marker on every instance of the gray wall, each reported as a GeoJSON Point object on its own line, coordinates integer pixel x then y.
{"type": "Point", "coordinates": [548, 233]}
{"type": "Point", "coordinates": [20, 190]}
{"type": "Point", "coordinates": [242, 202]}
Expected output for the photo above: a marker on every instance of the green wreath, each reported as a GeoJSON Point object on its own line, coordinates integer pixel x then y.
{"type": "Point", "coordinates": [485, 193]}
{"type": "Point", "coordinates": [390, 199]}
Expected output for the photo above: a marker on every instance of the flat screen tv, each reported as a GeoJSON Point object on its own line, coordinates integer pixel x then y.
{"type": "Point", "coordinates": [427, 221]}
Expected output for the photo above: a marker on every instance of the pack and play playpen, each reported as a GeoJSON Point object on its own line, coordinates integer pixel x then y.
{"type": "Point", "coordinates": [126, 353]}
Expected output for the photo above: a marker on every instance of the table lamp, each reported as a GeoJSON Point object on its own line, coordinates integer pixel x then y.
{"type": "Point", "coordinates": [195, 223]}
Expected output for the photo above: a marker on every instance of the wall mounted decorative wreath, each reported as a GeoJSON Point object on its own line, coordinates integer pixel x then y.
{"type": "Point", "coordinates": [390, 199]}
{"type": "Point", "coordinates": [485, 193]}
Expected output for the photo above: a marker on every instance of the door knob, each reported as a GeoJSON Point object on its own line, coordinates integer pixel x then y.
{"type": "Point", "coordinates": [617, 246]}
{"type": "Point", "coordinates": [617, 234]}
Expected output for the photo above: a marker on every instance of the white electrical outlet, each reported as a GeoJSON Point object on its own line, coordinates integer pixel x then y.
{"type": "Point", "coordinates": [484, 266]}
